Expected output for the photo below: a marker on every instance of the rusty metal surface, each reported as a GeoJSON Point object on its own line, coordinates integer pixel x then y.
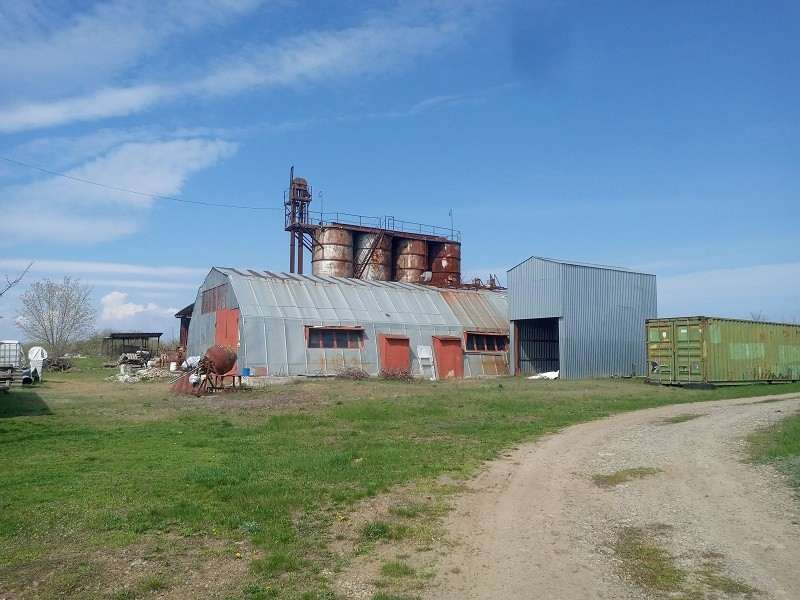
{"type": "Point", "coordinates": [410, 260]}
{"type": "Point", "coordinates": [376, 250]}
{"type": "Point", "coordinates": [219, 359]}
{"type": "Point", "coordinates": [333, 252]}
{"type": "Point", "coordinates": [478, 311]}
{"type": "Point", "coordinates": [445, 263]}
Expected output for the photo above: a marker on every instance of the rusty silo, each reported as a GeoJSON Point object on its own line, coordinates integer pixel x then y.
{"type": "Point", "coordinates": [410, 259]}
{"type": "Point", "coordinates": [333, 252]}
{"type": "Point", "coordinates": [373, 256]}
{"type": "Point", "coordinates": [445, 263]}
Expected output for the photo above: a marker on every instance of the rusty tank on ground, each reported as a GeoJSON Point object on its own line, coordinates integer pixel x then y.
{"type": "Point", "coordinates": [410, 260]}
{"type": "Point", "coordinates": [218, 359]}
{"type": "Point", "coordinates": [445, 263]}
{"type": "Point", "coordinates": [333, 252]}
{"type": "Point", "coordinates": [374, 249]}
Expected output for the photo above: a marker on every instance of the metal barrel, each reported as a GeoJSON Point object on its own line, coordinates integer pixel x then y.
{"type": "Point", "coordinates": [445, 263]}
{"type": "Point", "coordinates": [220, 359]}
{"type": "Point", "coordinates": [333, 252]}
{"type": "Point", "coordinates": [410, 260]}
{"type": "Point", "coordinates": [376, 251]}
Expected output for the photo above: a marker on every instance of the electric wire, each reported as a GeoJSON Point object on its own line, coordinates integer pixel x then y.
{"type": "Point", "coordinates": [13, 161]}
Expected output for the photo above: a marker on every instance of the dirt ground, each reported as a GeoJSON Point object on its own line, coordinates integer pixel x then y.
{"type": "Point", "coordinates": [540, 523]}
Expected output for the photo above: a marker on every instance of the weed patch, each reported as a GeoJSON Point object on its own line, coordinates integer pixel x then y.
{"type": "Point", "coordinates": [396, 568]}
{"type": "Point", "coordinates": [779, 445]}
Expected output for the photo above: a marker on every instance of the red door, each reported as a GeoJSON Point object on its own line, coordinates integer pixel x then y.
{"type": "Point", "coordinates": [449, 357]}
{"type": "Point", "coordinates": [395, 353]}
{"type": "Point", "coordinates": [226, 330]}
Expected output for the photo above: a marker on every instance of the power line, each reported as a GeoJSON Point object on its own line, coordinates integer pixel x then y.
{"type": "Point", "coordinates": [135, 192]}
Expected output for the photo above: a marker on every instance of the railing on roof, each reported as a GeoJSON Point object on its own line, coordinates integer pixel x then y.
{"type": "Point", "coordinates": [388, 223]}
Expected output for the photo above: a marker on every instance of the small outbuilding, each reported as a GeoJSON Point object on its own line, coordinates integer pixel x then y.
{"type": "Point", "coordinates": [582, 320]}
{"type": "Point", "coordinates": [290, 324]}
{"type": "Point", "coordinates": [123, 342]}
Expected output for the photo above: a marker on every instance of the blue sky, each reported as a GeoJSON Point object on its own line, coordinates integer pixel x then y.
{"type": "Point", "coordinates": [657, 136]}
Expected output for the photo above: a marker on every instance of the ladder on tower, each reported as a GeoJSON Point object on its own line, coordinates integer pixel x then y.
{"type": "Point", "coordinates": [362, 266]}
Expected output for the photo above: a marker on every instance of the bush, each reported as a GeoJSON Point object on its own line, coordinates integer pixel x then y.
{"type": "Point", "coordinates": [396, 374]}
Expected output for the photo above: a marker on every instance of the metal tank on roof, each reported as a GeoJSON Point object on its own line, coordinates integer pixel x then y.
{"type": "Point", "coordinates": [333, 252]}
{"type": "Point", "coordinates": [410, 260]}
{"type": "Point", "coordinates": [373, 255]}
{"type": "Point", "coordinates": [445, 263]}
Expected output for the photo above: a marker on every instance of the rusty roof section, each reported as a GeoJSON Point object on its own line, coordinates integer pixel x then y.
{"type": "Point", "coordinates": [478, 311]}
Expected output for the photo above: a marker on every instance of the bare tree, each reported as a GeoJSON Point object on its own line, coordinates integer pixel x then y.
{"type": "Point", "coordinates": [10, 283]}
{"type": "Point", "coordinates": [57, 314]}
{"type": "Point", "coordinates": [758, 316]}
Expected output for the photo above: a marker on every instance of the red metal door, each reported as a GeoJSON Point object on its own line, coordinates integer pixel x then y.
{"type": "Point", "coordinates": [449, 357]}
{"type": "Point", "coordinates": [395, 353]}
{"type": "Point", "coordinates": [226, 330]}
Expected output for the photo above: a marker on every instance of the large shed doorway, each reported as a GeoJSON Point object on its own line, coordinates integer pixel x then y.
{"type": "Point", "coordinates": [537, 345]}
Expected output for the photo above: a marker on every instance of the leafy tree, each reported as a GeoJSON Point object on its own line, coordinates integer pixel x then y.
{"type": "Point", "coordinates": [57, 314]}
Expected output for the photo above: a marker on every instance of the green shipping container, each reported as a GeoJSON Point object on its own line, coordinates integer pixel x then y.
{"type": "Point", "coordinates": [712, 350]}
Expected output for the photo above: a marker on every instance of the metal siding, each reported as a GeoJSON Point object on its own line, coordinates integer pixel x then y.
{"type": "Point", "coordinates": [275, 309]}
{"type": "Point", "coordinates": [534, 290]}
{"type": "Point", "coordinates": [728, 350]}
{"type": "Point", "coordinates": [602, 313]}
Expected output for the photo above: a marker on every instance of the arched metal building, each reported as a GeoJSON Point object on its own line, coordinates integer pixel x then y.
{"type": "Point", "coordinates": [290, 324]}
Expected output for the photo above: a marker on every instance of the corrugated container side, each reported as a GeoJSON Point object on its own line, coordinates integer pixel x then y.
{"type": "Point", "coordinates": [715, 350]}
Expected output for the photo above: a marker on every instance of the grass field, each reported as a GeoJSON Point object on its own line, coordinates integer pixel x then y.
{"type": "Point", "coordinates": [780, 445]}
{"type": "Point", "coordinates": [124, 491]}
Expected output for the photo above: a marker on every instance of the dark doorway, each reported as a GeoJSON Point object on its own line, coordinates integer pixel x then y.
{"type": "Point", "coordinates": [537, 345]}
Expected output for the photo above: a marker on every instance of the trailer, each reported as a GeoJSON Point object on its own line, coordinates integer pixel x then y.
{"type": "Point", "coordinates": [712, 350]}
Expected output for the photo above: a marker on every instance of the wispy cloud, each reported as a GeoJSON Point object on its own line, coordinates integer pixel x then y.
{"type": "Point", "coordinates": [79, 267]}
{"type": "Point", "coordinates": [41, 44]}
{"type": "Point", "coordinates": [73, 212]}
{"type": "Point", "coordinates": [377, 44]}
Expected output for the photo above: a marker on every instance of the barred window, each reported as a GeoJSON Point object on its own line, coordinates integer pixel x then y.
{"type": "Point", "coordinates": [335, 337]}
{"type": "Point", "coordinates": [486, 342]}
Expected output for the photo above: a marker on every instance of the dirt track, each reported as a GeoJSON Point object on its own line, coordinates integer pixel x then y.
{"type": "Point", "coordinates": [535, 524]}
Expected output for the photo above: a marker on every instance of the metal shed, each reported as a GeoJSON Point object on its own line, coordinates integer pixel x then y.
{"type": "Point", "coordinates": [580, 319]}
{"type": "Point", "coordinates": [290, 324]}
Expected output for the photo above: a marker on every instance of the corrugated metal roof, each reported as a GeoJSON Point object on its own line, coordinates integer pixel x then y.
{"type": "Point", "coordinates": [352, 301]}
{"type": "Point", "coordinates": [576, 263]}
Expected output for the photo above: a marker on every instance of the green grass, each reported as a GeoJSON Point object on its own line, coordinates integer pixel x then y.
{"type": "Point", "coordinates": [780, 445]}
{"type": "Point", "coordinates": [92, 468]}
{"type": "Point", "coordinates": [623, 476]}
{"type": "Point", "coordinates": [646, 563]}
{"type": "Point", "coordinates": [396, 568]}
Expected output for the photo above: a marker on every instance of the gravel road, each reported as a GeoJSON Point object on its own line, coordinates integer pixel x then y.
{"type": "Point", "coordinates": [534, 524]}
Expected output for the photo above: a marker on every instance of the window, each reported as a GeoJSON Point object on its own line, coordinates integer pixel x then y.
{"type": "Point", "coordinates": [335, 337]}
{"type": "Point", "coordinates": [486, 342]}
{"type": "Point", "coordinates": [213, 299]}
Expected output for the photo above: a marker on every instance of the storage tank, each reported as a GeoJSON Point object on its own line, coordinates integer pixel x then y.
{"type": "Point", "coordinates": [379, 262]}
{"type": "Point", "coordinates": [715, 350]}
{"type": "Point", "coordinates": [333, 252]}
{"type": "Point", "coordinates": [410, 260]}
{"type": "Point", "coordinates": [445, 263]}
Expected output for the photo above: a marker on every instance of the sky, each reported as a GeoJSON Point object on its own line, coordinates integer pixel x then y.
{"type": "Point", "coordinates": [658, 136]}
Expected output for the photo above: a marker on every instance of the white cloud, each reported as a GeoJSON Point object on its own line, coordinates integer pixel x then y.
{"type": "Point", "coordinates": [41, 45]}
{"type": "Point", "coordinates": [58, 209]}
{"type": "Point", "coordinates": [116, 307]}
{"type": "Point", "coordinates": [773, 289]}
{"type": "Point", "coordinates": [77, 267]}
{"type": "Point", "coordinates": [380, 43]}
